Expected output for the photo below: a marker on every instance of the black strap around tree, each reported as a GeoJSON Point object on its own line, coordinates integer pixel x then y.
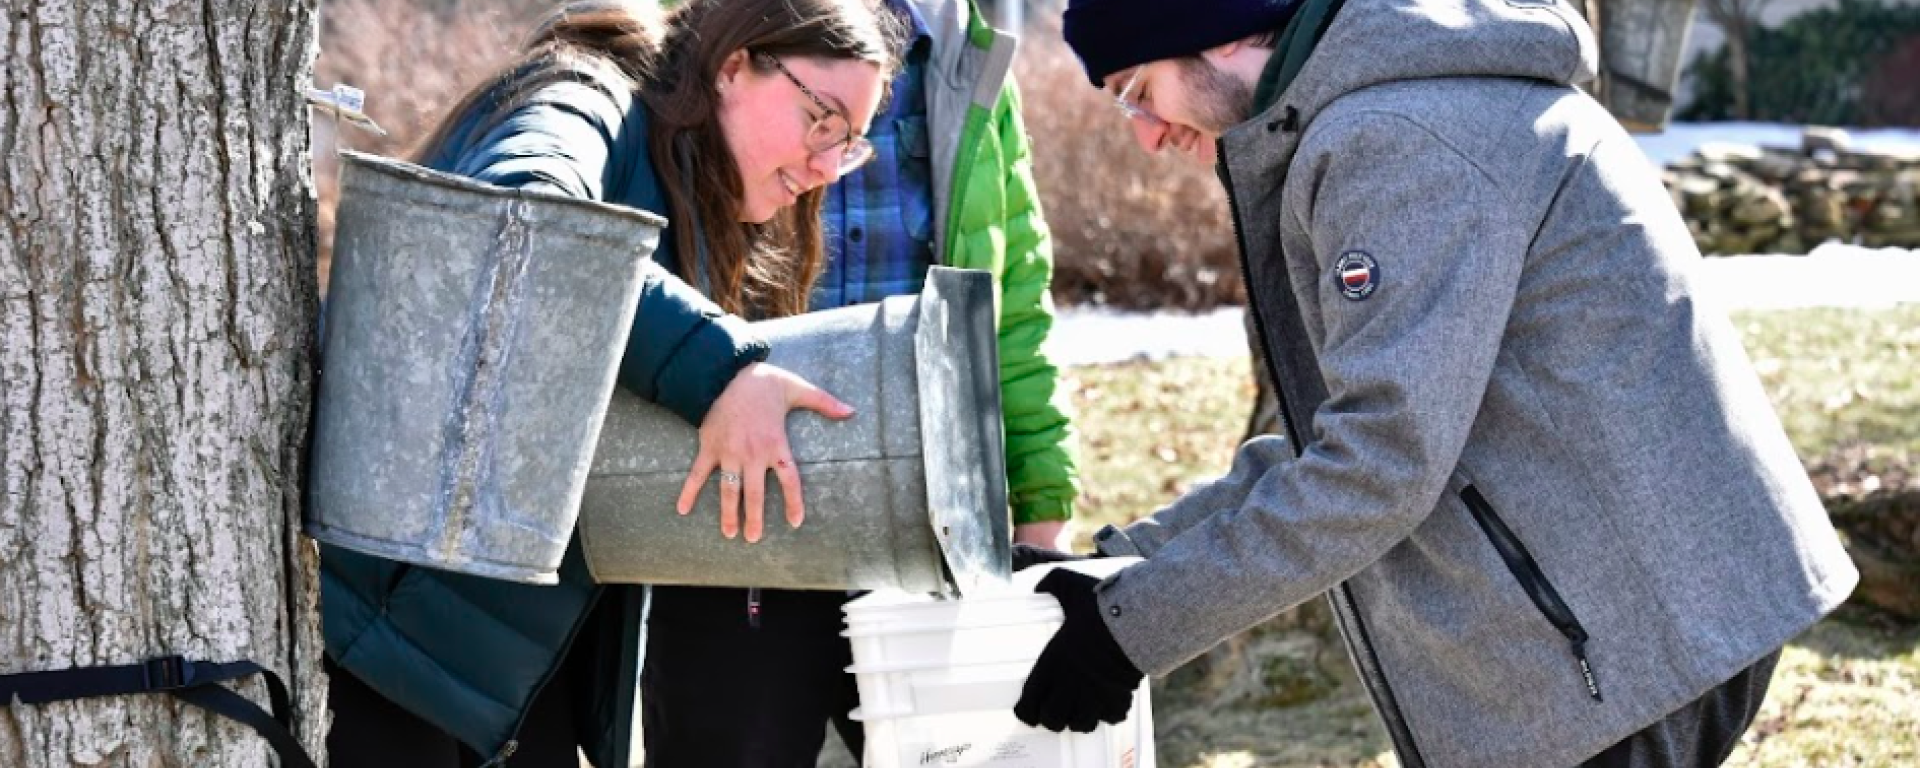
{"type": "Point", "coordinates": [194, 682]}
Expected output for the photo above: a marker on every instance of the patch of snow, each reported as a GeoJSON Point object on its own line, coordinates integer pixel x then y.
{"type": "Point", "coordinates": [1681, 139]}
{"type": "Point", "coordinates": [1833, 275]}
{"type": "Point", "coordinates": [1094, 335]}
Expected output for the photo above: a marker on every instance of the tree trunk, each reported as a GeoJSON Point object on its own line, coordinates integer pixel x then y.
{"type": "Point", "coordinates": [1736, 19]}
{"type": "Point", "coordinates": [156, 310]}
{"type": "Point", "coordinates": [1737, 70]}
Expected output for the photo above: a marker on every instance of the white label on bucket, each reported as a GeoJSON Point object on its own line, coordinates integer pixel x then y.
{"type": "Point", "coordinates": [1023, 751]}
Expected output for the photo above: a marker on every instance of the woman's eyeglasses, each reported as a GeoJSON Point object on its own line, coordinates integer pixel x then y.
{"type": "Point", "coordinates": [830, 129]}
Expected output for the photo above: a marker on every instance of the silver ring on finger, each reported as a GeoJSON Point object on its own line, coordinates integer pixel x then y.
{"type": "Point", "coordinates": [729, 478]}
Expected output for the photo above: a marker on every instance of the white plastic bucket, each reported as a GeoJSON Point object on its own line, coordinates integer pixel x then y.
{"type": "Point", "coordinates": [957, 646]}
{"type": "Point", "coordinates": [938, 680]}
{"type": "Point", "coordinates": [939, 690]}
{"type": "Point", "coordinates": [996, 739]}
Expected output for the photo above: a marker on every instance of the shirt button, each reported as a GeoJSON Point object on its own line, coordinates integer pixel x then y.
{"type": "Point", "coordinates": [1114, 611]}
{"type": "Point", "coordinates": [854, 234]}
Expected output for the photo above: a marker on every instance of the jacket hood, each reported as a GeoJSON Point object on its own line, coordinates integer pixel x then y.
{"type": "Point", "coordinates": [1373, 42]}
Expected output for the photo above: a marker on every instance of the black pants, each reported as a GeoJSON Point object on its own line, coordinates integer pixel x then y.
{"type": "Point", "coordinates": [717, 692]}
{"type": "Point", "coordinates": [1701, 734]}
{"type": "Point", "coordinates": [370, 731]}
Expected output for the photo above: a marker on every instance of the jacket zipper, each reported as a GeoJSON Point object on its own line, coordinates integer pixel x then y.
{"type": "Point", "coordinates": [1253, 307]}
{"type": "Point", "coordinates": [506, 751]}
{"type": "Point", "coordinates": [513, 741]}
{"type": "Point", "coordinates": [1534, 581]}
{"type": "Point", "coordinates": [753, 607]}
{"type": "Point", "coordinates": [1345, 606]}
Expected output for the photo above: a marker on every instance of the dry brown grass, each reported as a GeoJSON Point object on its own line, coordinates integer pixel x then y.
{"type": "Point", "coordinates": [1130, 229]}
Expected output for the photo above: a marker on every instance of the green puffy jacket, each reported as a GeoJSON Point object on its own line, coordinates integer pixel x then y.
{"type": "Point", "coordinates": [987, 216]}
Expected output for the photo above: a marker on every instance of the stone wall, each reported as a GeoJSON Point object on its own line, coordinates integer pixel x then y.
{"type": "Point", "coordinates": [1741, 199]}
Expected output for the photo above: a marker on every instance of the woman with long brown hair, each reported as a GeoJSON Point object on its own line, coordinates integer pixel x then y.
{"type": "Point", "coordinates": [727, 117]}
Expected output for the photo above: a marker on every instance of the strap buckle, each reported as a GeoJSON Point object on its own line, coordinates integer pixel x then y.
{"type": "Point", "coordinates": [166, 673]}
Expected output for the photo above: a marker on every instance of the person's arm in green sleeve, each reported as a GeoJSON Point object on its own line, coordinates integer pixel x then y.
{"type": "Point", "coordinates": [1041, 478]}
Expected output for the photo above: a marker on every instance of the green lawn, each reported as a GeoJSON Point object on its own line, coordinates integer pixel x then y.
{"type": "Point", "coordinates": [1847, 386]}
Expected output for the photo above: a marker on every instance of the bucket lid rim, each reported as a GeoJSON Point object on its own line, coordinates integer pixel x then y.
{"type": "Point", "coordinates": [402, 169]}
{"type": "Point", "coordinates": [1024, 663]}
{"type": "Point", "coordinates": [1037, 619]}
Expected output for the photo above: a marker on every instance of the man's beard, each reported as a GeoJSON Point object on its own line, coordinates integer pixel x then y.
{"type": "Point", "coordinates": [1219, 100]}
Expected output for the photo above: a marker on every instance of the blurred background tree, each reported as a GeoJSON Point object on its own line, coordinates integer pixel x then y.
{"type": "Point", "coordinates": [1737, 18]}
{"type": "Point", "coordinates": [1854, 63]}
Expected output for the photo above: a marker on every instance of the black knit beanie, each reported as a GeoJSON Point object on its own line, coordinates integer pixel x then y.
{"type": "Point", "coordinates": [1111, 35]}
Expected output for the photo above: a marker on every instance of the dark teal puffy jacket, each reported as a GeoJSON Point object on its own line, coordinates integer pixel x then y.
{"type": "Point", "coordinates": [466, 653]}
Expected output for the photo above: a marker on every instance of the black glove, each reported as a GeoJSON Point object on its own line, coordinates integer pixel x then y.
{"type": "Point", "coordinates": [1027, 555]}
{"type": "Point", "coordinates": [1082, 678]}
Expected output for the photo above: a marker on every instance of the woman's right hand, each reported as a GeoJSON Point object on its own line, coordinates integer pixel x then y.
{"type": "Point", "coordinates": [744, 436]}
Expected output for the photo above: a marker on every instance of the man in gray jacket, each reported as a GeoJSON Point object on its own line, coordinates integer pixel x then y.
{"type": "Point", "coordinates": [1530, 466]}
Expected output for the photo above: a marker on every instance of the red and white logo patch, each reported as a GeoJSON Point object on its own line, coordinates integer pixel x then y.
{"type": "Point", "coordinates": [1356, 274]}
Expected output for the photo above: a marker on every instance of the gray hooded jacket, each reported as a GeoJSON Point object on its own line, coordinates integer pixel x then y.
{"type": "Point", "coordinates": [1535, 473]}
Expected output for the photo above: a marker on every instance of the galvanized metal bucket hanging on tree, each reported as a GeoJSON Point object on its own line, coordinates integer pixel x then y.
{"type": "Point", "coordinates": [472, 337]}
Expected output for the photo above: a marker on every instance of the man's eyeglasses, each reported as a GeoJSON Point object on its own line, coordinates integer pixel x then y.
{"type": "Point", "coordinates": [830, 129]}
{"type": "Point", "coordinates": [1131, 108]}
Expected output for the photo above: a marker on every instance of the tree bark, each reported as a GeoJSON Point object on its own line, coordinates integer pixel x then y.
{"type": "Point", "coordinates": [1738, 72]}
{"type": "Point", "coordinates": [157, 298]}
{"type": "Point", "coordinates": [1736, 19]}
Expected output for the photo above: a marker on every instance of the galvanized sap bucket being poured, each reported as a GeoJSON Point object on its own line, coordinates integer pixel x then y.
{"type": "Point", "coordinates": [910, 493]}
{"type": "Point", "coordinates": [472, 337]}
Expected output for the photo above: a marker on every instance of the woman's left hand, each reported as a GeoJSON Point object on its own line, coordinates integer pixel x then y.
{"type": "Point", "coordinates": [744, 436]}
